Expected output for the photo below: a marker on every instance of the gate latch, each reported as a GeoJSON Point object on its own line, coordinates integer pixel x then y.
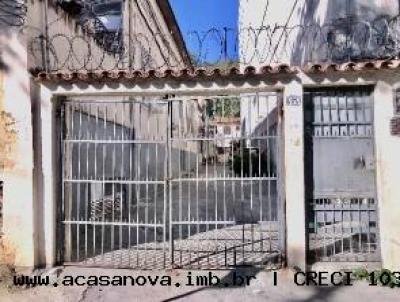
{"type": "Point", "coordinates": [363, 163]}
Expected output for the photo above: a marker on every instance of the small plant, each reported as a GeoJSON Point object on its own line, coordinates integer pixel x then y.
{"type": "Point", "coordinates": [7, 253]}
{"type": "Point", "coordinates": [7, 264]}
{"type": "Point", "coordinates": [360, 274]}
{"type": "Point", "coordinates": [383, 277]}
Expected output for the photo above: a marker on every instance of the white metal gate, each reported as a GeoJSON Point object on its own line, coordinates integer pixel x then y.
{"type": "Point", "coordinates": [340, 177]}
{"type": "Point", "coordinates": [184, 183]}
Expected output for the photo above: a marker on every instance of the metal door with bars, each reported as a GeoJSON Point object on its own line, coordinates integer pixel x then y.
{"type": "Point", "coordinates": [340, 175]}
{"type": "Point", "coordinates": [183, 183]}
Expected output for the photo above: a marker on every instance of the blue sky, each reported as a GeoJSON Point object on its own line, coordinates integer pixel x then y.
{"type": "Point", "coordinates": [203, 15]}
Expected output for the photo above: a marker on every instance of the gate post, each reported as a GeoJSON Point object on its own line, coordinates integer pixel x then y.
{"type": "Point", "coordinates": [294, 175]}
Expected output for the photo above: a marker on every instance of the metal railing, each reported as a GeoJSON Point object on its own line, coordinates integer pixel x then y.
{"type": "Point", "coordinates": [146, 183]}
{"type": "Point", "coordinates": [343, 230]}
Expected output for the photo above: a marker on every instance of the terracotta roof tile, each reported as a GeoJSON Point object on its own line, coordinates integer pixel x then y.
{"type": "Point", "coordinates": [233, 72]}
{"type": "Point", "coordinates": [186, 73]}
{"type": "Point", "coordinates": [352, 66]}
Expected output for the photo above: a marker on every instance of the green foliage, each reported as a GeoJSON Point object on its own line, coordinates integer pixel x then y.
{"type": "Point", "coordinates": [383, 277]}
{"type": "Point", "coordinates": [360, 274]}
{"type": "Point", "coordinates": [224, 107]}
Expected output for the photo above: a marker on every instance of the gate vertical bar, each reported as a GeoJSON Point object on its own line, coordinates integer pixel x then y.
{"type": "Point", "coordinates": [62, 227]}
{"type": "Point", "coordinates": [168, 182]}
{"type": "Point", "coordinates": [280, 178]}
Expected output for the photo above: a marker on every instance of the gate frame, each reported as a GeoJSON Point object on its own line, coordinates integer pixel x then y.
{"type": "Point", "coordinates": [310, 190]}
{"type": "Point", "coordinates": [57, 103]}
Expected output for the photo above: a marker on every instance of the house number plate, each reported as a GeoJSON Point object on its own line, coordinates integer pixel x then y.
{"type": "Point", "coordinates": [293, 100]}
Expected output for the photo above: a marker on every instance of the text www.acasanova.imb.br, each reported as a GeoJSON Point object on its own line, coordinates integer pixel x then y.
{"type": "Point", "coordinates": [208, 279]}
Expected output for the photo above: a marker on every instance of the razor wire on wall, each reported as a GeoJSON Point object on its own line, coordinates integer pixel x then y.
{"type": "Point", "coordinates": [95, 47]}
{"type": "Point", "coordinates": [298, 45]}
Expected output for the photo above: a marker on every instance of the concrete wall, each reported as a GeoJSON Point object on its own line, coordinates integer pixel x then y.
{"type": "Point", "coordinates": [1, 174]}
{"type": "Point", "coordinates": [388, 169]}
{"type": "Point", "coordinates": [19, 232]}
{"type": "Point", "coordinates": [296, 32]}
{"type": "Point", "coordinates": [148, 38]}
{"type": "Point", "coordinates": [294, 178]}
{"type": "Point", "coordinates": [67, 47]}
{"type": "Point", "coordinates": [387, 146]}
{"type": "Point", "coordinates": [25, 230]}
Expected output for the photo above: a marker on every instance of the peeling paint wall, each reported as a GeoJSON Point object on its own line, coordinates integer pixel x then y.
{"type": "Point", "coordinates": [18, 187]}
{"type": "Point", "coordinates": [1, 177]}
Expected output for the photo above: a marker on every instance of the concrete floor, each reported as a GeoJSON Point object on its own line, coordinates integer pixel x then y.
{"type": "Point", "coordinates": [260, 289]}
